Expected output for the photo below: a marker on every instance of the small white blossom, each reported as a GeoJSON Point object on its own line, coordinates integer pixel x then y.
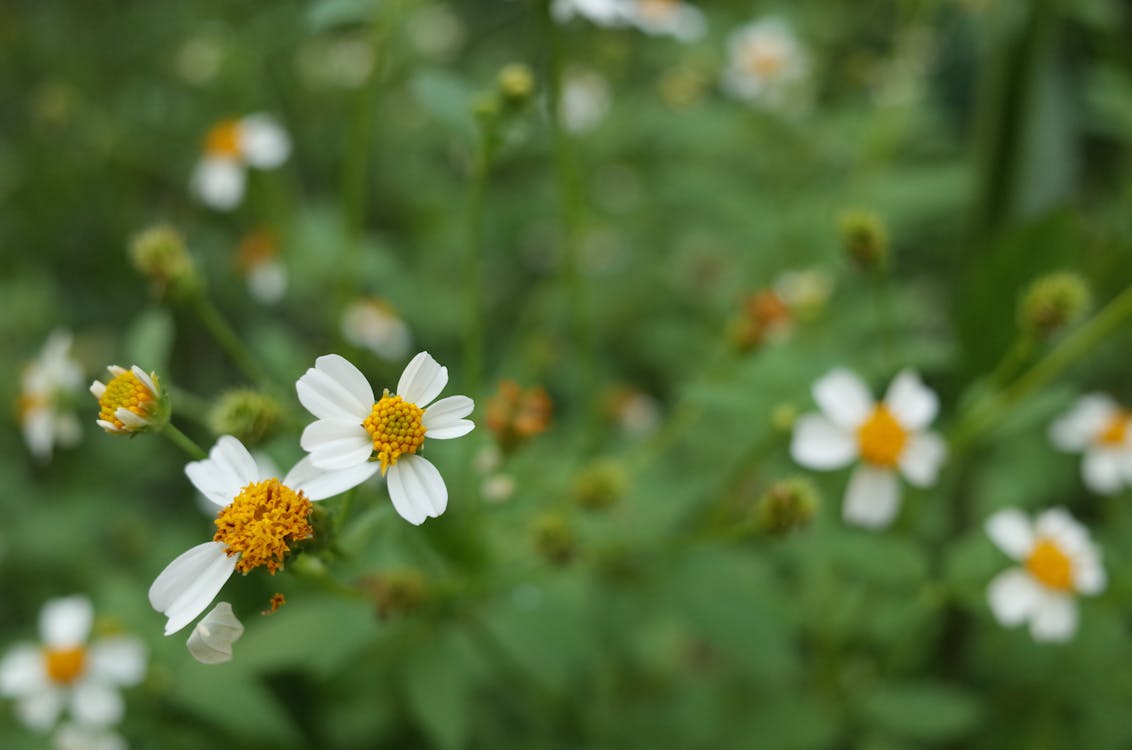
{"type": "Point", "coordinates": [1100, 429]}
{"type": "Point", "coordinates": [45, 385]}
{"type": "Point", "coordinates": [256, 141]}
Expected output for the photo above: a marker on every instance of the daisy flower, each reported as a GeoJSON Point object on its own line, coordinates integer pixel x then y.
{"type": "Point", "coordinates": [887, 437]}
{"type": "Point", "coordinates": [1098, 427]}
{"type": "Point", "coordinates": [354, 429]}
{"type": "Point", "coordinates": [1058, 561]}
{"type": "Point", "coordinates": [44, 386]}
{"type": "Point", "coordinates": [263, 270]}
{"type": "Point", "coordinates": [766, 64]}
{"type": "Point", "coordinates": [681, 20]}
{"type": "Point", "coordinates": [231, 147]}
{"type": "Point", "coordinates": [601, 12]}
{"type": "Point", "coordinates": [131, 402]}
{"type": "Point", "coordinates": [584, 102]}
{"type": "Point", "coordinates": [72, 736]}
{"type": "Point", "coordinates": [372, 324]}
{"type": "Point", "coordinates": [260, 519]}
{"type": "Point", "coordinates": [64, 673]}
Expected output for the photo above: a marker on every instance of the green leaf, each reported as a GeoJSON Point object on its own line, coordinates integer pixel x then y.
{"type": "Point", "coordinates": [924, 711]}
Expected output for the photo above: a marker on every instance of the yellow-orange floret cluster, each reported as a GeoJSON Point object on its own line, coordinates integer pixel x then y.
{"type": "Point", "coordinates": [396, 429]}
{"type": "Point", "coordinates": [261, 524]}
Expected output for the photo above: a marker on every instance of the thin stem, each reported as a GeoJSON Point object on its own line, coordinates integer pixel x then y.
{"type": "Point", "coordinates": [182, 441]}
{"type": "Point", "coordinates": [1015, 357]}
{"type": "Point", "coordinates": [228, 340]}
{"type": "Point", "coordinates": [474, 332]}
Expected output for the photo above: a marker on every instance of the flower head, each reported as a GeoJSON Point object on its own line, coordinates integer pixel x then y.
{"type": "Point", "coordinates": [44, 386]}
{"type": "Point", "coordinates": [766, 65]}
{"type": "Point", "coordinates": [65, 673]}
{"type": "Point", "coordinates": [601, 12]}
{"type": "Point", "coordinates": [1057, 560]}
{"type": "Point", "coordinates": [131, 402]}
{"type": "Point", "coordinates": [159, 254]}
{"type": "Point", "coordinates": [674, 18]}
{"type": "Point", "coordinates": [264, 272]}
{"type": "Point", "coordinates": [260, 520]}
{"type": "Point", "coordinates": [354, 429]}
{"type": "Point", "coordinates": [515, 414]}
{"type": "Point", "coordinates": [887, 438]}
{"type": "Point", "coordinates": [372, 324]}
{"type": "Point", "coordinates": [1101, 429]}
{"type": "Point", "coordinates": [231, 147]}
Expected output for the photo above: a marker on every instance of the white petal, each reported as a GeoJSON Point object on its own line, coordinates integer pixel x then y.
{"type": "Point", "coordinates": [97, 388]}
{"type": "Point", "coordinates": [39, 432]}
{"type": "Point", "coordinates": [117, 660]}
{"type": "Point", "coordinates": [444, 419]}
{"type": "Point", "coordinates": [263, 141]}
{"type": "Point", "coordinates": [872, 498]}
{"type": "Point", "coordinates": [1012, 596]}
{"type": "Point", "coordinates": [129, 419]}
{"type": "Point", "coordinates": [108, 426]}
{"type": "Point", "coordinates": [422, 380]}
{"type": "Point", "coordinates": [95, 704]}
{"type": "Point", "coordinates": [65, 623]}
{"type": "Point", "coordinates": [1088, 418]}
{"type": "Point", "coordinates": [40, 710]}
{"type": "Point", "coordinates": [335, 389]}
{"type": "Point", "coordinates": [188, 584]}
{"type": "Point", "coordinates": [145, 379]}
{"type": "Point", "coordinates": [219, 182]}
{"type": "Point", "coordinates": [267, 282]}
{"type": "Point", "coordinates": [336, 444]}
{"type": "Point", "coordinates": [1103, 470]}
{"type": "Point", "coordinates": [1011, 532]}
{"type": "Point", "coordinates": [22, 672]}
{"type": "Point", "coordinates": [416, 489]}
{"type": "Point", "coordinates": [820, 444]}
{"type": "Point", "coordinates": [1054, 617]}
{"type": "Point", "coordinates": [844, 398]}
{"type": "Point", "coordinates": [1088, 575]}
{"type": "Point", "coordinates": [227, 470]}
{"type": "Point", "coordinates": [72, 736]}
{"type": "Point", "coordinates": [212, 638]}
{"type": "Point", "coordinates": [922, 458]}
{"type": "Point", "coordinates": [319, 484]}
{"type": "Point", "coordinates": [912, 403]}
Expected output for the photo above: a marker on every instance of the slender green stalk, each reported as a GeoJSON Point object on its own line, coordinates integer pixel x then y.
{"type": "Point", "coordinates": [1015, 357]}
{"type": "Point", "coordinates": [228, 340]}
{"type": "Point", "coordinates": [474, 331]}
{"type": "Point", "coordinates": [182, 441]}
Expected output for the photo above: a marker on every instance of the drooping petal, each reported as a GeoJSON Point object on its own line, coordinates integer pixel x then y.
{"type": "Point", "coordinates": [844, 398]}
{"type": "Point", "coordinates": [1102, 469]}
{"type": "Point", "coordinates": [65, 623]}
{"type": "Point", "coordinates": [38, 427]}
{"type": "Point", "coordinates": [264, 143]}
{"type": "Point", "coordinates": [1012, 596]}
{"type": "Point", "coordinates": [1088, 418]}
{"type": "Point", "coordinates": [444, 419]}
{"type": "Point", "coordinates": [922, 458]}
{"type": "Point", "coordinates": [117, 660]}
{"type": "Point", "coordinates": [219, 182]}
{"type": "Point", "coordinates": [319, 484]}
{"type": "Point", "coordinates": [228, 469]}
{"type": "Point", "coordinates": [96, 705]}
{"type": "Point", "coordinates": [335, 389]}
{"type": "Point", "coordinates": [39, 711]}
{"type": "Point", "coordinates": [212, 638]}
{"type": "Point", "coordinates": [188, 584]}
{"type": "Point", "coordinates": [336, 444]}
{"type": "Point", "coordinates": [416, 489]}
{"type": "Point", "coordinates": [912, 403]}
{"type": "Point", "coordinates": [22, 671]}
{"type": "Point", "coordinates": [1054, 617]}
{"type": "Point", "coordinates": [818, 443]}
{"type": "Point", "coordinates": [1011, 532]}
{"type": "Point", "coordinates": [422, 380]}
{"type": "Point", "coordinates": [872, 498]}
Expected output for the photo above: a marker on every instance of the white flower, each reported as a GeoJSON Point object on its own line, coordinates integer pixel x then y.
{"type": "Point", "coordinates": [354, 429]}
{"type": "Point", "coordinates": [887, 437]}
{"type": "Point", "coordinates": [1098, 427]}
{"type": "Point", "coordinates": [584, 101]}
{"type": "Point", "coordinates": [805, 292]}
{"type": "Point", "coordinates": [1058, 560]}
{"type": "Point", "coordinates": [260, 518]}
{"type": "Point", "coordinates": [681, 20]}
{"type": "Point", "coordinates": [601, 12]}
{"type": "Point", "coordinates": [64, 673]}
{"type": "Point", "coordinates": [73, 736]}
{"type": "Point", "coordinates": [44, 386]}
{"type": "Point", "coordinates": [766, 65]}
{"type": "Point", "coordinates": [371, 324]}
{"type": "Point", "coordinates": [212, 638]}
{"type": "Point", "coordinates": [264, 271]}
{"type": "Point", "coordinates": [131, 402]}
{"type": "Point", "coordinates": [231, 146]}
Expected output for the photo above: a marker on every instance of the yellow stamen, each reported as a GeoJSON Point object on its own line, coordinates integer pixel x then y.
{"type": "Point", "coordinates": [1116, 430]}
{"type": "Point", "coordinates": [763, 61]}
{"type": "Point", "coordinates": [396, 429]}
{"type": "Point", "coordinates": [260, 524]}
{"type": "Point", "coordinates": [223, 139]}
{"type": "Point", "coordinates": [29, 402]}
{"type": "Point", "coordinates": [881, 438]}
{"type": "Point", "coordinates": [125, 391]}
{"type": "Point", "coordinates": [1050, 565]}
{"type": "Point", "coordinates": [64, 665]}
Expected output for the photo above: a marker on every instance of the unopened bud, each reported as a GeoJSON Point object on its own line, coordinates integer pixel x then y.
{"type": "Point", "coordinates": [600, 485]}
{"type": "Point", "coordinates": [159, 254]}
{"type": "Point", "coordinates": [554, 539]}
{"type": "Point", "coordinates": [248, 415]}
{"type": "Point", "coordinates": [516, 83]}
{"type": "Point", "coordinates": [865, 239]}
{"type": "Point", "coordinates": [787, 505]}
{"type": "Point", "coordinates": [1052, 302]}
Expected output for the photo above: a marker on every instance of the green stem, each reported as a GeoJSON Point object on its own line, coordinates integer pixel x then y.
{"type": "Point", "coordinates": [474, 330]}
{"type": "Point", "coordinates": [182, 441]}
{"type": "Point", "coordinates": [1015, 357]}
{"type": "Point", "coordinates": [228, 340]}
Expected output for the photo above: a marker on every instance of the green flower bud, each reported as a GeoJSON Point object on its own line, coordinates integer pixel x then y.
{"type": "Point", "coordinates": [554, 539]}
{"type": "Point", "coordinates": [787, 505]}
{"type": "Point", "coordinates": [600, 485]}
{"type": "Point", "coordinates": [1052, 302]}
{"type": "Point", "coordinates": [865, 239]}
{"type": "Point", "coordinates": [159, 254]}
{"type": "Point", "coordinates": [516, 83]}
{"type": "Point", "coordinates": [250, 416]}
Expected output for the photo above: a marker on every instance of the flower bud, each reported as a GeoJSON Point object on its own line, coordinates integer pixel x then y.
{"type": "Point", "coordinates": [248, 415]}
{"type": "Point", "coordinates": [211, 640]}
{"type": "Point", "coordinates": [131, 402]}
{"type": "Point", "coordinates": [787, 505]}
{"type": "Point", "coordinates": [554, 539]}
{"type": "Point", "coordinates": [159, 254]}
{"type": "Point", "coordinates": [1052, 302]}
{"type": "Point", "coordinates": [600, 485]}
{"type": "Point", "coordinates": [516, 414]}
{"type": "Point", "coordinates": [865, 240]}
{"type": "Point", "coordinates": [394, 592]}
{"type": "Point", "coordinates": [516, 83]}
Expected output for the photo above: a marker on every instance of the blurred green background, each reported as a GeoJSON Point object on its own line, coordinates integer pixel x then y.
{"type": "Point", "coordinates": [622, 593]}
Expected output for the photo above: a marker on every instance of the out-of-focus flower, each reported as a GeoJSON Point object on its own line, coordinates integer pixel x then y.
{"type": "Point", "coordinates": [601, 12]}
{"type": "Point", "coordinates": [515, 414]}
{"type": "Point", "coordinates": [764, 317]}
{"type": "Point", "coordinates": [373, 324]}
{"type": "Point", "coordinates": [67, 674]}
{"type": "Point", "coordinates": [200, 58]}
{"type": "Point", "coordinates": [353, 429]}
{"type": "Point", "coordinates": [343, 60]}
{"type": "Point", "coordinates": [1101, 429]}
{"type": "Point", "coordinates": [516, 83]}
{"type": "Point", "coordinates": [249, 416]}
{"type": "Point", "coordinates": [131, 402]}
{"type": "Point", "coordinates": [212, 638]}
{"type": "Point", "coordinates": [73, 736]}
{"type": "Point", "coordinates": [675, 18]}
{"type": "Point", "coordinates": [260, 519]}
{"type": "Point", "coordinates": [786, 506]}
{"type": "Point", "coordinates": [435, 30]}
{"type": "Point", "coordinates": [256, 141]}
{"type": "Point", "coordinates": [1053, 302]}
{"type": "Point", "coordinates": [1058, 561]}
{"type": "Point", "coordinates": [45, 387]}
{"type": "Point", "coordinates": [159, 254]}
{"type": "Point", "coordinates": [584, 101]}
{"type": "Point", "coordinates": [554, 538]}
{"type": "Point", "coordinates": [637, 413]}
{"type": "Point", "coordinates": [497, 488]}
{"type": "Point", "coordinates": [399, 591]}
{"type": "Point", "coordinates": [887, 437]}
{"type": "Point", "coordinates": [263, 270]}
{"type": "Point", "coordinates": [865, 239]}
{"type": "Point", "coordinates": [767, 66]}
{"type": "Point", "coordinates": [600, 485]}
{"type": "Point", "coordinates": [804, 291]}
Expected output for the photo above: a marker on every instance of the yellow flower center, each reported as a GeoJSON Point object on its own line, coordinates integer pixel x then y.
{"type": "Point", "coordinates": [64, 665]}
{"type": "Point", "coordinates": [1116, 430]}
{"type": "Point", "coordinates": [1050, 565]}
{"type": "Point", "coordinates": [763, 61]}
{"type": "Point", "coordinates": [881, 438]}
{"type": "Point", "coordinates": [396, 429]}
{"type": "Point", "coordinates": [125, 391]}
{"type": "Point", "coordinates": [260, 524]}
{"type": "Point", "coordinates": [657, 10]}
{"type": "Point", "coordinates": [29, 402]}
{"type": "Point", "coordinates": [223, 139]}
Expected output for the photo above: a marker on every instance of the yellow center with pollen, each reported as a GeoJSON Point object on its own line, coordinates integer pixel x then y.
{"type": "Point", "coordinates": [261, 524]}
{"type": "Point", "coordinates": [223, 139]}
{"type": "Point", "coordinates": [1050, 565]}
{"type": "Point", "coordinates": [64, 665]}
{"type": "Point", "coordinates": [125, 391]}
{"type": "Point", "coordinates": [881, 438]}
{"type": "Point", "coordinates": [396, 429]}
{"type": "Point", "coordinates": [1115, 431]}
